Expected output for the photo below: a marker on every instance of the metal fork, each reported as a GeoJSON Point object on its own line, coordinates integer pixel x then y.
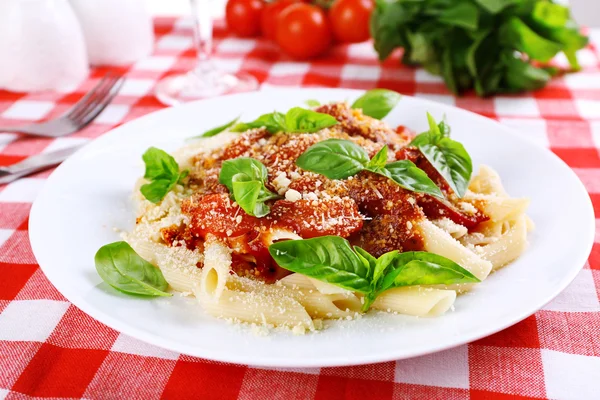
{"type": "Point", "coordinates": [78, 116]}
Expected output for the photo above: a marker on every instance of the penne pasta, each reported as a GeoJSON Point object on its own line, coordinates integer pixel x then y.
{"type": "Point", "coordinates": [487, 181]}
{"type": "Point", "coordinates": [416, 300]}
{"type": "Point", "coordinates": [217, 264]}
{"type": "Point", "coordinates": [509, 245]}
{"type": "Point", "coordinates": [317, 304]}
{"type": "Point", "coordinates": [257, 308]}
{"type": "Point", "coordinates": [441, 242]}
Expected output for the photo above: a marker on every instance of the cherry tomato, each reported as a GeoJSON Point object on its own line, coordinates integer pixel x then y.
{"type": "Point", "coordinates": [302, 31]}
{"type": "Point", "coordinates": [349, 20]}
{"type": "Point", "coordinates": [243, 16]}
{"type": "Point", "coordinates": [270, 15]}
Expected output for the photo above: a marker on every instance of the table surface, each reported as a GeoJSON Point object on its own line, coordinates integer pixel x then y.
{"type": "Point", "coordinates": [49, 348]}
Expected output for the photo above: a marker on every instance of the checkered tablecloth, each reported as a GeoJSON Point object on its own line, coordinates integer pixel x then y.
{"type": "Point", "coordinates": [49, 348]}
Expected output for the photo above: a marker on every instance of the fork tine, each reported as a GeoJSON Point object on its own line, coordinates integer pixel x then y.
{"type": "Point", "coordinates": [84, 100]}
{"type": "Point", "coordinates": [97, 94]}
{"type": "Point", "coordinates": [101, 104]}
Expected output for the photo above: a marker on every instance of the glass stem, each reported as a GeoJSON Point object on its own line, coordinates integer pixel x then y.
{"type": "Point", "coordinates": [203, 31]}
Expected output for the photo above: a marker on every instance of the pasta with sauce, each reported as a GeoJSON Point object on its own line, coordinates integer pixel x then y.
{"type": "Point", "coordinates": [207, 245]}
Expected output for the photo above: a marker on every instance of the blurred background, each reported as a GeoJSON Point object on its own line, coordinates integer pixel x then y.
{"type": "Point", "coordinates": [586, 12]}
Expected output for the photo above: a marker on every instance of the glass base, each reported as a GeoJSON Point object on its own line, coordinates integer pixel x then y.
{"type": "Point", "coordinates": [196, 85]}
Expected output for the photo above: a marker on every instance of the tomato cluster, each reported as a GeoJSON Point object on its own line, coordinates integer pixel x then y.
{"type": "Point", "coordinates": [301, 29]}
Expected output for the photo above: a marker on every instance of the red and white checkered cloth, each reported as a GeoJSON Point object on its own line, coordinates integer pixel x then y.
{"type": "Point", "coordinates": [48, 348]}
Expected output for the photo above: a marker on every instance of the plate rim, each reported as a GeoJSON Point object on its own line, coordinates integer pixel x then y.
{"type": "Point", "coordinates": [331, 361]}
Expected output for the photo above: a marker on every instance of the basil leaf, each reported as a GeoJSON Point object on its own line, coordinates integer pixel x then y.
{"type": "Point", "coordinates": [159, 164]}
{"type": "Point", "coordinates": [253, 169]}
{"type": "Point", "coordinates": [410, 177]}
{"type": "Point", "coordinates": [380, 159]}
{"type": "Point", "coordinates": [312, 103]}
{"type": "Point", "coordinates": [423, 268]}
{"type": "Point", "coordinates": [382, 264]}
{"type": "Point", "coordinates": [245, 178]}
{"type": "Point", "coordinates": [162, 171]}
{"type": "Point", "coordinates": [452, 161]}
{"type": "Point", "coordinates": [272, 122]}
{"type": "Point", "coordinates": [217, 130]}
{"type": "Point", "coordinates": [334, 158]}
{"type": "Point", "coordinates": [447, 156]}
{"type": "Point", "coordinates": [495, 6]}
{"type": "Point", "coordinates": [326, 258]}
{"type": "Point", "coordinates": [301, 120]}
{"type": "Point", "coordinates": [464, 14]}
{"type": "Point", "coordinates": [517, 34]}
{"type": "Point", "coordinates": [435, 132]}
{"type": "Point", "coordinates": [156, 190]}
{"type": "Point", "coordinates": [377, 103]}
{"type": "Point", "coordinates": [368, 260]}
{"type": "Point", "coordinates": [246, 195]}
{"type": "Point", "coordinates": [122, 268]}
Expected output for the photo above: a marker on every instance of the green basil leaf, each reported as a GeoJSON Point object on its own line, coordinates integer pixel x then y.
{"type": "Point", "coordinates": [408, 176]}
{"type": "Point", "coordinates": [159, 164]}
{"type": "Point", "coordinates": [301, 120]}
{"type": "Point", "coordinates": [550, 14]}
{"type": "Point", "coordinates": [156, 190]}
{"type": "Point", "coordinates": [377, 103]}
{"type": "Point", "coordinates": [246, 194]}
{"type": "Point", "coordinates": [272, 122]}
{"type": "Point", "coordinates": [368, 260]}
{"type": "Point", "coordinates": [423, 268]}
{"type": "Point", "coordinates": [382, 264]}
{"type": "Point", "coordinates": [435, 132]}
{"type": "Point", "coordinates": [245, 178]}
{"type": "Point", "coordinates": [521, 75]}
{"type": "Point", "coordinates": [326, 258]}
{"type": "Point", "coordinates": [380, 159]}
{"type": "Point", "coordinates": [334, 158]}
{"type": "Point", "coordinates": [217, 130]}
{"type": "Point", "coordinates": [122, 268]}
{"type": "Point", "coordinates": [452, 161]}
{"type": "Point", "coordinates": [516, 34]}
{"type": "Point", "coordinates": [464, 14]}
{"type": "Point", "coordinates": [253, 169]}
{"type": "Point", "coordinates": [495, 6]}
{"type": "Point", "coordinates": [444, 128]}
{"type": "Point", "coordinates": [312, 103]}
{"type": "Point", "coordinates": [163, 173]}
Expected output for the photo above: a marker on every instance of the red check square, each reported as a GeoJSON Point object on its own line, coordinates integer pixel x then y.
{"type": "Point", "coordinates": [58, 372]}
{"type": "Point", "coordinates": [204, 380]}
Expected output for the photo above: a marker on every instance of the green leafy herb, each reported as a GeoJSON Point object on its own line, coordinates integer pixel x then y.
{"type": "Point", "coordinates": [245, 178]}
{"type": "Point", "coordinates": [312, 103]}
{"type": "Point", "coordinates": [334, 158]}
{"type": "Point", "coordinates": [379, 160]}
{"type": "Point", "coordinates": [163, 173]}
{"type": "Point", "coordinates": [331, 259]}
{"type": "Point", "coordinates": [447, 156]}
{"type": "Point", "coordinates": [491, 46]}
{"type": "Point", "coordinates": [122, 268]}
{"type": "Point", "coordinates": [296, 120]}
{"type": "Point", "coordinates": [301, 120]}
{"type": "Point", "coordinates": [271, 122]}
{"type": "Point", "coordinates": [377, 103]}
{"type": "Point", "coordinates": [340, 159]}
{"type": "Point", "coordinates": [217, 130]}
{"type": "Point", "coordinates": [327, 258]}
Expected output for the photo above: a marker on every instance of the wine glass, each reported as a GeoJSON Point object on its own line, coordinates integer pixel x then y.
{"type": "Point", "coordinates": [205, 80]}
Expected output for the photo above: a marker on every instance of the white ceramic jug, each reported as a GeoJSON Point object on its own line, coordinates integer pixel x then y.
{"type": "Point", "coordinates": [117, 32]}
{"type": "Point", "coordinates": [41, 46]}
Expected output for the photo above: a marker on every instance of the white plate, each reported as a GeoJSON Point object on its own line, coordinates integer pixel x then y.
{"type": "Point", "coordinates": [89, 195]}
